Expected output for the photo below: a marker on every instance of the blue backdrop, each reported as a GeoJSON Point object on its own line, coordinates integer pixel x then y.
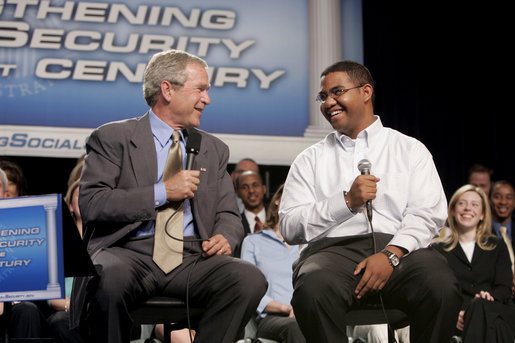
{"type": "Point", "coordinates": [24, 248]}
{"type": "Point", "coordinates": [81, 66]}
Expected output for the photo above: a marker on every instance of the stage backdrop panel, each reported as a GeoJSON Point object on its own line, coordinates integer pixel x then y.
{"type": "Point", "coordinates": [75, 64]}
{"type": "Point", "coordinates": [31, 248]}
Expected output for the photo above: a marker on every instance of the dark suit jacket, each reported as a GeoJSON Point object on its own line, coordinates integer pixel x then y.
{"type": "Point", "coordinates": [490, 270]}
{"type": "Point", "coordinates": [117, 189]}
{"type": "Point", "coordinates": [245, 223]}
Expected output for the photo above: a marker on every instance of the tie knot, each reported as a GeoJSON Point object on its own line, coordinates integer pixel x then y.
{"type": "Point", "coordinates": [176, 137]}
{"type": "Point", "coordinates": [503, 229]}
{"type": "Point", "coordinates": [258, 225]}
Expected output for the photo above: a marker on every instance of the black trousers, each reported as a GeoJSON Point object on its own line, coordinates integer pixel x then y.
{"type": "Point", "coordinates": [489, 321]}
{"type": "Point", "coordinates": [28, 320]}
{"type": "Point", "coordinates": [59, 326]}
{"type": "Point", "coordinates": [228, 288]}
{"type": "Point", "coordinates": [422, 285]}
{"type": "Point", "coordinates": [280, 328]}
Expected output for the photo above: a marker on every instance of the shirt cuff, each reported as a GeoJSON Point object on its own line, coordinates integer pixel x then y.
{"type": "Point", "coordinates": [338, 208]}
{"type": "Point", "coordinates": [262, 304]}
{"type": "Point", "coordinates": [404, 241]}
{"type": "Point", "coordinates": [159, 194]}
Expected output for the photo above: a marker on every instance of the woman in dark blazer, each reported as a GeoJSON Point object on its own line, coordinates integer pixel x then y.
{"type": "Point", "coordinates": [482, 266]}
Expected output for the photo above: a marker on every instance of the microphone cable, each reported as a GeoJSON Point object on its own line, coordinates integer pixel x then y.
{"type": "Point", "coordinates": [391, 333]}
{"type": "Point", "coordinates": [190, 271]}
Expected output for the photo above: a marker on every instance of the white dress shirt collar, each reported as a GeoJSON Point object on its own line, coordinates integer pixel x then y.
{"type": "Point", "coordinates": [251, 217]}
{"type": "Point", "coordinates": [364, 136]}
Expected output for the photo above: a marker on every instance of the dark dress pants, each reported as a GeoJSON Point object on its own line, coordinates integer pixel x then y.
{"type": "Point", "coordinates": [228, 288]}
{"type": "Point", "coordinates": [423, 286]}
{"type": "Point", "coordinates": [280, 328]}
{"type": "Point", "coordinates": [489, 321]}
{"type": "Point", "coordinates": [28, 320]}
{"type": "Point", "coordinates": [59, 326]}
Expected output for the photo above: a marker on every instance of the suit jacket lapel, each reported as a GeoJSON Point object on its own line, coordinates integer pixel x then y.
{"type": "Point", "coordinates": [477, 255]}
{"type": "Point", "coordinates": [142, 153]}
{"type": "Point", "coordinates": [460, 254]}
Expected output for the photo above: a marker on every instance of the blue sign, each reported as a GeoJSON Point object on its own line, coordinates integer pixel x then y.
{"type": "Point", "coordinates": [79, 64]}
{"type": "Point", "coordinates": [31, 254]}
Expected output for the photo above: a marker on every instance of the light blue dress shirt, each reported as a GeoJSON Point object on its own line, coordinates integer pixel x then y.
{"type": "Point", "coordinates": [272, 256]}
{"type": "Point", "coordinates": [162, 134]}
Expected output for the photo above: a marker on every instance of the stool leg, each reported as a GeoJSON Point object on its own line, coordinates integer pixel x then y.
{"type": "Point", "coordinates": [166, 332]}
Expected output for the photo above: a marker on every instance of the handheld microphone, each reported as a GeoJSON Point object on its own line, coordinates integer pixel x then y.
{"type": "Point", "coordinates": [364, 167]}
{"type": "Point", "coordinates": [192, 147]}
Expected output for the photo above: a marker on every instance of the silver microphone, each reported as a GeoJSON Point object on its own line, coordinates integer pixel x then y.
{"type": "Point", "coordinates": [364, 168]}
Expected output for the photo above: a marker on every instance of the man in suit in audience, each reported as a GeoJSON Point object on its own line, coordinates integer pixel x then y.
{"type": "Point", "coordinates": [251, 190]}
{"type": "Point", "coordinates": [122, 196]}
{"type": "Point", "coordinates": [243, 165]}
{"type": "Point", "coordinates": [502, 202]}
{"type": "Point", "coordinates": [480, 176]}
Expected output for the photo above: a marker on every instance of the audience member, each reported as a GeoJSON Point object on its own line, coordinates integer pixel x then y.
{"type": "Point", "coordinates": [3, 321]}
{"type": "Point", "coordinates": [482, 265]}
{"type": "Point", "coordinates": [59, 321]}
{"type": "Point", "coordinates": [243, 165]}
{"type": "Point", "coordinates": [251, 190]}
{"type": "Point", "coordinates": [17, 184]}
{"type": "Point", "coordinates": [3, 184]}
{"type": "Point", "coordinates": [274, 257]}
{"type": "Point", "coordinates": [323, 205]}
{"type": "Point", "coordinates": [502, 202]}
{"type": "Point", "coordinates": [125, 202]}
{"type": "Point", "coordinates": [480, 176]}
{"type": "Point", "coordinates": [502, 205]}
{"type": "Point", "coordinates": [27, 319]}
{"type": "Point", "coordinates": [76, 171]}
{"type": "Point", "coordinates": [72, 194]}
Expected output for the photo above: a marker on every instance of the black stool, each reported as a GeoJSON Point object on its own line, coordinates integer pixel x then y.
{"type": "Point", "coordinates": [165, 310]}
{"type": "Point", "coordinates": [371, 313]}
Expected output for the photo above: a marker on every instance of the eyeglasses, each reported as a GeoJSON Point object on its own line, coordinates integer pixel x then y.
{"type": "Point", "coordinates": [334, 93]}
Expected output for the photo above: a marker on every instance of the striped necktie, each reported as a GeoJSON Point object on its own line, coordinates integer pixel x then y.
{"type": "Point", "coordinates": [169, 220]}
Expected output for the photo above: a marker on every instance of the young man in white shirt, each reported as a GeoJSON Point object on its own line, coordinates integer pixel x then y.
{"type": "Point", "coordinates": [323, 206]}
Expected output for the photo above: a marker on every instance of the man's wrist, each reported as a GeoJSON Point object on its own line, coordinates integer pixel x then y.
{"type": "Point", "coordinates": [400, 252]}
{"type": "Point", "coordinates": [346, 197]}
{"type": "Point", "coordinates": [393, 259]}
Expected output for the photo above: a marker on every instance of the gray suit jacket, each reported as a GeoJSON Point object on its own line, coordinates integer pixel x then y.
{"type": "Point", "coordinates": [117, 189]}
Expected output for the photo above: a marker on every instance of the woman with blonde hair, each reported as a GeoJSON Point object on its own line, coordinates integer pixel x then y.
{"type": "Point", "coordinates": [482, 266]}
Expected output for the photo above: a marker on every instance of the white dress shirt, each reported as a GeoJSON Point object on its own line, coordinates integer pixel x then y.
{"type": "Point", "coordinates": [410, 203]}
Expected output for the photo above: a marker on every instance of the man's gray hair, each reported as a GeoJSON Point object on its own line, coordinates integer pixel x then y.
{"type": "Point", "coordinates": [170, 66]}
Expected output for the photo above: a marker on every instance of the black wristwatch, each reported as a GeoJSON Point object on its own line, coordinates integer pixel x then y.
{"type": "Point", "coordinates": [392, 258]}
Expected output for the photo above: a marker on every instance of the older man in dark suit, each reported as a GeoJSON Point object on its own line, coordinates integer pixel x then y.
{"type": "Point", "coordinates": [123, 191]}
